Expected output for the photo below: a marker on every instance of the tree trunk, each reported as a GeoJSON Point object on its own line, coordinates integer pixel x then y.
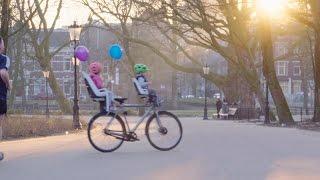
{"type": "Point", "coordinates": [231, 87]}
{"type": "Point", "coordinates": [17, 65]}
{"type": "Point", "coordinates": [194, 85]}
{"type": "Point", "coordinates": [238, 90]}
{"type": "Point", "coordinates": [15, 83]}
{"type": "Point", "coordinates": [304, 84]}
{"type": "Point", "coordinates": [281, 104]}
{"type": "Point", "coordinates": [64, 104]}
{"type": "Point", "coordinates": [242, 95]}
{"type": "Point", "coordinates": [316, 115]}
{"type": "Point", "coordinates": [174, 90]}
{"type": "Point", "coordinates": [5, 21]}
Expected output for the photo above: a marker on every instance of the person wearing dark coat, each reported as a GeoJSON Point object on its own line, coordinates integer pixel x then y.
{"type": "Point", "coordinates": [218, 106]}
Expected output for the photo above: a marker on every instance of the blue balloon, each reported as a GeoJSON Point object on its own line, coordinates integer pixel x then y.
{"type": "Point", "coordinates": [115, 52]}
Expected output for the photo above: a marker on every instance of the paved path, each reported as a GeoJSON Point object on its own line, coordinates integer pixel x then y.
{"type": "Point", "coordinates": [209, 150]}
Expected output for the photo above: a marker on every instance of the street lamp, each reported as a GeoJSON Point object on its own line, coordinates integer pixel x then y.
{"type": "Point", "coordinates": [206, 71]}
{"type": "Point", "coordinates": [75, 61]}
{"type": "Point", "coordinates": [267, 109]}
{"type": "Point", "coordinates": [74, 31]}
{"type": "Point", "coordinates": [46, 76]}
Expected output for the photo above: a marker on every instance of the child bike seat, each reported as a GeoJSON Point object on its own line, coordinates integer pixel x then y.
{"type": "Point", "coordinates": [141, 92]}
{"type": "Point", "coordinates": [95, 93]}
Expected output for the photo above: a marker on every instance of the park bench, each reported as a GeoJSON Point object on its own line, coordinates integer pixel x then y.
{"type": "Point", "coordinates": [232, 112]}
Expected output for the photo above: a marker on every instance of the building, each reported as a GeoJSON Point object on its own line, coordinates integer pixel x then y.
{"type": "Point", "coordinates": [292, 70]}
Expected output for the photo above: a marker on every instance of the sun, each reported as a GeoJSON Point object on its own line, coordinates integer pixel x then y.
{"type": "Point", "coordinates": [271, 7]}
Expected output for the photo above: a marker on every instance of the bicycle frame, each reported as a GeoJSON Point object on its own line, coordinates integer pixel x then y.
{"type": "Point", "coordinates": [151, 109]}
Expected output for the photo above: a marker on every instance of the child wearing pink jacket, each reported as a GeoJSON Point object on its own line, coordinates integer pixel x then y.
{"type": "Point", "coordinates": [95, 69]}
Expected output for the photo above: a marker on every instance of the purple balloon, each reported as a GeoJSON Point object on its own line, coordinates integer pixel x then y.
{"type": "Point", "coordinates": [82, 53]}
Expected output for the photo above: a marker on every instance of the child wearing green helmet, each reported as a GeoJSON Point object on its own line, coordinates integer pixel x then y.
{"type": "Point", "coordinates": [140, 70]}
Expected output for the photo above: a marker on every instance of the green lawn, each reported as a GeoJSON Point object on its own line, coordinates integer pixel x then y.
{"type": "Point", "coordinates": [197, 101]}
{"type": "Point", "coordinates": [192, 113]}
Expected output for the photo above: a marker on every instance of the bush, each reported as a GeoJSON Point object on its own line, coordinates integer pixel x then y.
{"type": "Point", "coordinates": [16, 126]}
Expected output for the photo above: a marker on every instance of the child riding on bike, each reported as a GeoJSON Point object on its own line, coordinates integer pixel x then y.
{"type": "Point", "coordinates": [141, 70]}
{"type": "Point", "coordinates": [95, 69]}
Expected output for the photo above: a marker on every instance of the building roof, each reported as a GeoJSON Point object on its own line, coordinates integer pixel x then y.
{"type": "Point", "coordinates": [58, 37]}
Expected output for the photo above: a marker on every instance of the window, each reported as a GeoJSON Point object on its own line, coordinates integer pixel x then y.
{"type": "Point", "coordinates": [296, 70]}
{"type": "Point", "coordinates": [296, 87]}
{"type": "Point", "coordinates": [57, 66]}
{"type": "Point", "coordinates": [280, 49]}
{"type": "Point", "coordinates": [58, 58]}
{"type": "Point", "coordinates": [282, 68]}
{"type": "Point", "coordinates": [67, 66]}
{"type": "Point", "coordinates": [36, 88]}
{"type": "Point", "coordinates": [67, 89]}
{"type": "Point", "coordinates": [36, 66]}
{"type": "Point", "coordinates": [284, 87]}
{"type": "Point", "coordinates": [49, 90]}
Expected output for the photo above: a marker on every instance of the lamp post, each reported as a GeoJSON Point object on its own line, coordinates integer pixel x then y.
{"type": "Point", "coordinates": [74, 31]}
{"type": "Point", "coordinates": [267, 109]}
{"type": "Point", "coordinates": [206, 70]}
{"type": "Point", "coordinates": [46, 76]}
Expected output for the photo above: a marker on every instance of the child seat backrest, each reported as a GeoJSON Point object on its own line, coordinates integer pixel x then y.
{"type": "Point", "coordinates": [91, 87]}
{"type": "Point", "coordinates": [139, 89]}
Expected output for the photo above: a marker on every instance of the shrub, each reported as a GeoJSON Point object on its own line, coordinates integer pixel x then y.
{"type": "Point", "coordinates": [16, 126]}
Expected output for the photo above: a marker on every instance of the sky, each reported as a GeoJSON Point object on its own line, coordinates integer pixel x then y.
{"type": "Point", "coordinates": [72, 10]}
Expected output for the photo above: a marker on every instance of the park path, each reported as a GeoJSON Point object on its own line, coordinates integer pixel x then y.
{"type": "Point", "coordinates": [209, 150]}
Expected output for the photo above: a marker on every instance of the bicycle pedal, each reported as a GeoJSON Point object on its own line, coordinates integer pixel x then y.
{"type": "Point", "coordinates": [134, 139]}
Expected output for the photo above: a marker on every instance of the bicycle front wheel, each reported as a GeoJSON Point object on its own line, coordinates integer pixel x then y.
{"type": "Point", "coordinates": [165, 132]}
{"type": "Point", "coordinates": [106, 132]}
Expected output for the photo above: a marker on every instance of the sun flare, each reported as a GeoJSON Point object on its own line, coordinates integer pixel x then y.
{"type": "Point", "coordinates": [271, 7]}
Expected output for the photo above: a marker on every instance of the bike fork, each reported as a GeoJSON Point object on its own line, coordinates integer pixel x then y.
{"type": "Point", "coordinates": [158, 119]}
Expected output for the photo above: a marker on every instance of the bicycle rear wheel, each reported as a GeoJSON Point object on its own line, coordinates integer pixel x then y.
{"type": "Point", "coordinates": [165, 134]}
{"type": "Point", "coordinates": [106, 132]}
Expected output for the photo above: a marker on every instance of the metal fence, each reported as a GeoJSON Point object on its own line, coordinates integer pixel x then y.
{"type": "Point", "coordinates": [246, 113]}
{"type": "Point", "coordinates": [249, 113]}
{"type": "Point", "coordinates": [40, 109]}
{"type": "Point", "coordinates": [299, 113]}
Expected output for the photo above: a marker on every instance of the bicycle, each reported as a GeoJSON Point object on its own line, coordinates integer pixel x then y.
{"type": "Point", "coordinates": [107, 126]}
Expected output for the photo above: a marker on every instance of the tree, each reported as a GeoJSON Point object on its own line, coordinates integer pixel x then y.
{"type": "Point", "coordinates": [5, 20]}
{"type": "Point", "coordinates": [220, 26]}
{"type": "Point", "coordinates": [39, 32]}
{"type": "Point", "coordinates": [270, 73]}
{"type": "Point", "coordinates": [223, 28]}
{"type": "Point", "coordinates": [308, 13]}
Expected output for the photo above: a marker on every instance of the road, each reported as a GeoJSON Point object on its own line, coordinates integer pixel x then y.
{"type": "Point", "coordinates": [209, 150]}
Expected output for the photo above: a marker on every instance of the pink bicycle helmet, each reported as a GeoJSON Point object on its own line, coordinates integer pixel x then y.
{"type": "Point", "coordinates": [95, 68]}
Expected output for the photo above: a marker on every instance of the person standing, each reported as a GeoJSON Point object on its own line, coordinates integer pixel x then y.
{"type": "Point", "coordinates": [218, 106]}
{"type": "Point", "coordinates": [4, 86]}
{"type": "Point", "coordinates": [225, 106]}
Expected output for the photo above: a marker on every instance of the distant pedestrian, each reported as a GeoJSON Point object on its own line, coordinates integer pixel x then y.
{"type": "Point", "coordinates": [225, 106]}
{"type": "Point", "coordinates": [218, 106]}
{"type": "Point", "coordinates": [4, 86]}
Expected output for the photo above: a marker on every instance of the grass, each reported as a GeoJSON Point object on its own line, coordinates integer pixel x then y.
{"type": "Point", "coordinates": [192, 113]}
{"type": "Point", "coordinates": [17, 126]}
{"type": "Point", "coordinates": [197, 101]}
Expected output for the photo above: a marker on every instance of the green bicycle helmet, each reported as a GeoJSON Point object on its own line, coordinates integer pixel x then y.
{"type": "Point", "coordinates": [140, 68]}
